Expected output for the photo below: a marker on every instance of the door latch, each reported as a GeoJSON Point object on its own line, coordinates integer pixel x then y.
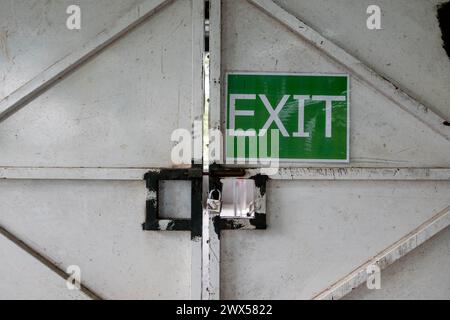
{"type": "Point", "coordinates": [243, 205]}
{"type": "Point", "coordinates": [238, 198]}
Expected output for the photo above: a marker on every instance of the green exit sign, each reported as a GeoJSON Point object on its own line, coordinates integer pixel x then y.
{"type": "Point", "coordinates": [309, 111]}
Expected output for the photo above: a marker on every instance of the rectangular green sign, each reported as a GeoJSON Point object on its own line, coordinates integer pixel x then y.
{"type": "Point", "coordinates": [310, 112]}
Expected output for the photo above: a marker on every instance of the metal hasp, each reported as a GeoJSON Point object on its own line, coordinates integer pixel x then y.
{"type": "Point", "coordinates": [226, 221]}
{"type": "Point", "coordinates": [152, 220]}
{"type": "Point", "coordinates": [218, 175]}
{"type": "Point", "coordinates": [239, 199]}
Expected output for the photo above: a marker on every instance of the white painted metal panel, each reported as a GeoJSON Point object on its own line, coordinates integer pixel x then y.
{"type": "Point", "coordinates": [319, 231]}
{"type": "Point", "coordinates": [33, 34]}
{"type": "Point", "coordinates": [23, 277]}
{"type": "Point", "coordinates": [97, 226]}
{"type": "Point", "coordinates": [109, 119]}
{"type": "Point", "coordinates": [423, 274]}
{"type": "Point", "coordinates": [382, 134]}
{"type": "Point", "coordinates": [387, 256]}
{"type": "Point", "coordinates": [120, 108]}
{"type": "Point", "coordinates": [407, 50]}
{"type": "Point", "coordinates": [113, 117]}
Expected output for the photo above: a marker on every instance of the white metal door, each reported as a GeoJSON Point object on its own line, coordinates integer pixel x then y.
{"type": "Point", "coordinates": [85, 114]}
{"type": "Point", "coordinates": [327, 223]}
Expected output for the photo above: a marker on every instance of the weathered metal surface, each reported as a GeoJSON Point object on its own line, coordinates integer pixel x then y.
{"type": "Point", "coordinates": [407, 51]}
{"type": "Point", "coordinates": [319, 231]}
{"type": "Point", "coordinates": [97, 226]}
{"type": "Point", "coordinates": [382, 134]}
{"type": "Point", "coordinates": [397, 177]}
{"type": "Point", "coordinates": [399, 174]}
{"type": "Point", "coordinates": [210, 270]}
{"type": "Point", "coordinates": [25, 278]}
{"type": "Point", "coordinates": [324, 173]}
{"type": "Point", "coordinates": [420, 275]}
{"type": "Point", "coordinates": [32, 33]}
{"type": "Point", "coordinates": [100, 123]}
{"type": "Point", "coordinates": [358, 70]}
{"type": "Point", "coordinates": [388, 256]}
{"type": "Point", "coordinates": [9, 259]}
{"type": "Point", "coordinates": [33, 173]}
{"type": "Point", "coordinates": [143, 89]}
{"type": "Point", "coordinates": [56, 71]}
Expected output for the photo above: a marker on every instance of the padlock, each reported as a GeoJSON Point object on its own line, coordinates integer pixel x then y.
{"type": "Point", "coordinates": [214, 205]}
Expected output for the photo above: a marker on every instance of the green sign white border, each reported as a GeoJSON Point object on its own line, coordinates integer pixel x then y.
{"type": "Point", "coordinates": [283, 160]}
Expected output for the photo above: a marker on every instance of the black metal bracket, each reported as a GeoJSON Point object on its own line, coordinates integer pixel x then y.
{"type": "Point", "coordinates": [153, 222]}
{"type": "Point", "coordinates": [218, 172]}
{"type": "Point", "coordinates": [152, 219]}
